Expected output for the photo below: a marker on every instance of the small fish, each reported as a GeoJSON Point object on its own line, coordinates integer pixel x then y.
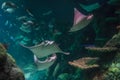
{"type": "Point", "coordinates": [80, 21]}
{"type": "Point", "coordinates": [10, 10]}
{"type": "Point", "coordinates": [7, 23]}
{"type": "Point", "coordinates": [9, 6]}
{"type": "Point", "coordinates": [47, 13]}
{"type": "Point", "coordinates": [42, 65]}
{"type": "Point", "coordinates": [29, 13]}
{"type": "Point", "coordinates": [29, 23]}
{"type": "Point", "coordinates": [22, 18]}
{"type": "Point", "coordinates": [27, 26]}
{"type": "Point", "coordinates": [56, 32]}
{"type": "Point", "coordinates": [45, 49]}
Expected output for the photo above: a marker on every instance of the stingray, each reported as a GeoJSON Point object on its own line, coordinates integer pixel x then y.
{"type": "Point", "coordinates": [45, 49]}
{"type": "Point", "coordinates": [80, 20]}
{"type": "Point", "coordinates": [42, 65]}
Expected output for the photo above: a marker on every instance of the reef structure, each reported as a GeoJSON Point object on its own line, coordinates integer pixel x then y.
{"type": "Point", "coordinates": [106, 66]}
{"type": "Point", "coordinates": [8, 68]}
{"type": "Point", "coordinates": [107, 50]}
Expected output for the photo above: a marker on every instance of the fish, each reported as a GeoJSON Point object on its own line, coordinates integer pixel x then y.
{"type": "Point", "coordinates": [10, 10]}
{"type": "Point", "coordinates": [42, 65]}
{"type": "Point", "coordinates": [6, 23]}
{"type": "Point", "coordinates": [45, 48]}
{"type": "Point", "coordinates": [29, 13]}
{"type": "Point", "coordinates": [80, 21]}
{"type": "Point", "coordinates": [9, 7]}
{"type": "Point", "coordinates": [22, 18]}
{"type": "Point", "coordinates": [26, 39]}
{"type": "Point", "coordinates": [27, 26]}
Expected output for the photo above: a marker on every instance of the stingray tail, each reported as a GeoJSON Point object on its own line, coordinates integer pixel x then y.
{"type": "Point", "coordinates": [23, 46]}
{"type": "Point", "coordinates": [66, 53]}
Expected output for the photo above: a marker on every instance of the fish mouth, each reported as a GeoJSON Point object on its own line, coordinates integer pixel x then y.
{"type": "Point", "coordinates": [49, 58]}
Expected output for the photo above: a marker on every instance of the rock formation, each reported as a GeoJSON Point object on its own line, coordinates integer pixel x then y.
{"type": "Point", "coordinates": [8, 68]}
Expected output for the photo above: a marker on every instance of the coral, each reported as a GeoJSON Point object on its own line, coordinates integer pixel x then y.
{"type": "Point", "coordinates": [2, 48]}
{"type": "Point", "coordinates": [85, 63]}
{"type": "Point", "coordinates": [8, 67]}
{"type": "Point", "coordinates": [113, 72]}
{"type": "Point", "coordinates": [114, 42]}
{"type": "Point", "coordinates": [3, 56]}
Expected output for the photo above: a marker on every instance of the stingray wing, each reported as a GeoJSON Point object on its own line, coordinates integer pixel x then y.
{"type": "Point", "coordinates": [80, 21]}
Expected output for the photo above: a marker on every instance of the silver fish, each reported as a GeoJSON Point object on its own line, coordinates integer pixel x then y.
{"type": "Point", "coordinates": [42, 65]}
{"type": "Point", "coordinates": [45, 49]}
{"type": "Point", "coordinates": [27, 26]}
{"type": "Point", "coordinates": [10, 10]}
{"type": "Point", "coordinates": [8, 6]}
{"type": "Point", "coordinates": [22, 18]}
{"type": "Point", "coordinates": [29, 13]}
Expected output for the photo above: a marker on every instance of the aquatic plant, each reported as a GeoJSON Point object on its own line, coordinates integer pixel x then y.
{"type": "Point", "coordinates": [113, 72]}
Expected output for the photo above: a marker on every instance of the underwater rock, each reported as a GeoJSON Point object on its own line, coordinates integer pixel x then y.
{"type": "Point", "coordinates": [85, 63]}
{"type": "Point", "coordinates": [8, 68]}
{"type": "Point", "coordinates": [3, 55]}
